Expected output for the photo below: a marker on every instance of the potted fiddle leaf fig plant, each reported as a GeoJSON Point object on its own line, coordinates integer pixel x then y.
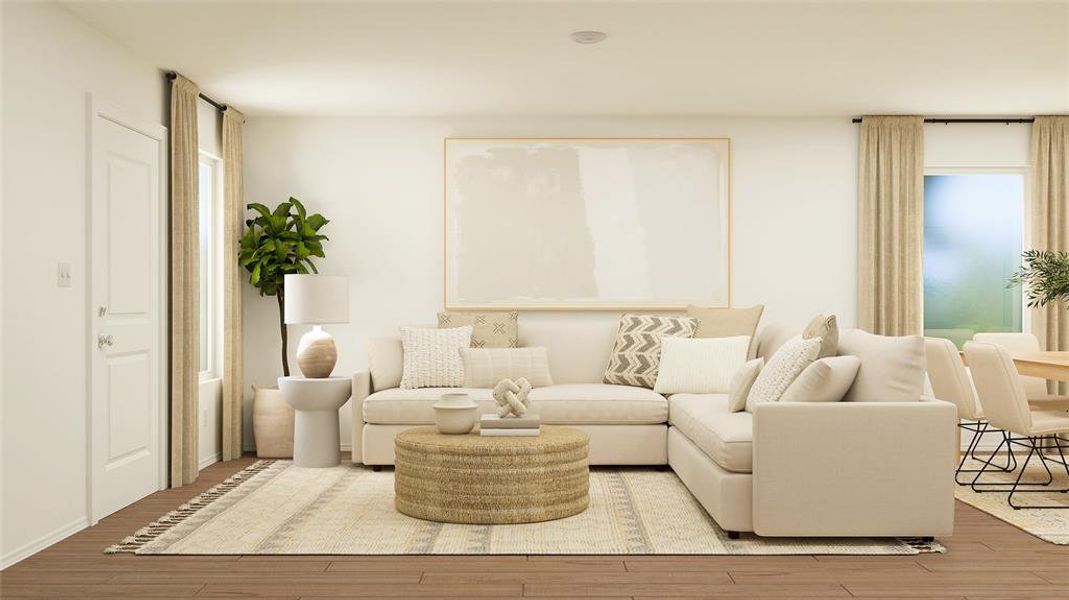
{"type": "Point", "coordinates": [1045, 277]}
{"type": "Point", "coordinates": [277, 243]}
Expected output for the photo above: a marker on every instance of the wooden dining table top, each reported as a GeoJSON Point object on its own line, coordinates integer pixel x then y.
{"type": "Point", "coordinates": [1048, 365]}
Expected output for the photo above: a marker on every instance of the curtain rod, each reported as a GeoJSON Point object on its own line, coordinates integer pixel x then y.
{"type": "Point", "coordinates": [946, 121]}
{"type": "Point", "coordinates": [171, 75]}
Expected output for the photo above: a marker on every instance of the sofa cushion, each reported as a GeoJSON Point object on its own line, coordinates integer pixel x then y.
{"type": "Point", "coordinates": [637, 352]}
{"type": "Point", "coordinates": [728, 322]}
{"type": "Point", "coordinates": [486, 367]}
{"type": "Point", "coordinates": [892, 368]}
{"type": "Point", "coordinates": [489, 329]}
{"type": "Point", "coordinates": [785, 365]}
{"type": "Point", "coordinates": [705, 366]}
{"type": "Point", "coordinates": [385, 362]}
{"type": "Point", "coordinates": [723, 435]}
{"type": "Point", "coordinates": [825, 327]}
{"type": "Point", "coordinates": [566, 404]}
{"type": "Point", "coordinates": [825, 380]}
{"type": "Point", "coordinates": [432, 356]}
{"type": "Point", "coordinates": [741, 382]}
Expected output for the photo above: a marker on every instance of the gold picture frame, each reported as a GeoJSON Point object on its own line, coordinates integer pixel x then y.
{"type": "Point", "coordinates": [723, 170]}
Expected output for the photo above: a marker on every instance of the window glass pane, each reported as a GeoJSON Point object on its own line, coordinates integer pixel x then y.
{"type": "Point", "coordinates": [205, 225]}
{"type": "Point", "coordinates": [973, 230]}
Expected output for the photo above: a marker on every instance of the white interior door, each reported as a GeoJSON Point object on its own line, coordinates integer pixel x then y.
{"type": "Point", "coordinates": [127, 398]}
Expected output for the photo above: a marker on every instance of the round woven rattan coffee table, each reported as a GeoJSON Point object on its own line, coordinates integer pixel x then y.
{"type": "Point", "coordinates": [492, 480]}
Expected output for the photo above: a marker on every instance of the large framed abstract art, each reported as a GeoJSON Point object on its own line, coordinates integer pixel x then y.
{"type": "Point", "coordinates": [587, 224]}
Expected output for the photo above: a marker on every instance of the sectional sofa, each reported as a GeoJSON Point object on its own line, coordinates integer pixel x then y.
{"type": "Point", "coordinates": [787, 469]}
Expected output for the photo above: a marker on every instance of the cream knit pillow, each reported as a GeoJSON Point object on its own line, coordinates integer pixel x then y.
{"type": "Point", "coordinates": [705, 366]}
{"type": "Point", "coordinates": [432, 356]}
{"type": "Point", "coordinates": [784, 366]}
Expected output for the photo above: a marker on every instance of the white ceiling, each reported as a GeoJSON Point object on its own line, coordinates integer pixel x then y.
{"type": "Point", "coordinates": [691, 58]}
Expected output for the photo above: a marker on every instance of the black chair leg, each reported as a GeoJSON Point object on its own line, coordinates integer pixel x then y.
{"type": "Point", "coordinates": [1034, 447]}
{"type": "Point", "coordinates": [979, 429]}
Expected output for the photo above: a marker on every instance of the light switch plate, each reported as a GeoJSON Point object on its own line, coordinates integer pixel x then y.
{"type": "Point", "coordinates": [63, 274]}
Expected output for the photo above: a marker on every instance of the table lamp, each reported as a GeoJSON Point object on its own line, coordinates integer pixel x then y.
{"type": "Point", "coordinates": [316, 300]}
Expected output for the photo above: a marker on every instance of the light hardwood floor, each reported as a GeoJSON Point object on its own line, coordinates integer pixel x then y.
{"type": "Point", "coordinates": [986, 558]}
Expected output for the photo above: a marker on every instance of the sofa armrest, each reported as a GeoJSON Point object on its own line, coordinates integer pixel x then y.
{"type": "Point", "coordinates": [854, 468]}
{"type": "Point", "coordinates": [361, 390]}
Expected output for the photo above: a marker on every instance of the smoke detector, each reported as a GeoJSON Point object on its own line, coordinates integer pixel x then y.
{"type": "Point", "coordinates": [589, 37]}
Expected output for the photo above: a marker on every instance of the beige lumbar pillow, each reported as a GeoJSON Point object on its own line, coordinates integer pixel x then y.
{"type": "Point", "coordinates": [727, 322]}
{"type": "Point", "coordinates": [741, 383]}
{"type": "Point", "coordinates": [892, 368]}
{"type": "Point", "coordinates": [785, 365]}
{"type": "Point", "coordinates": [690, 366]}
{"type": "Point", "coordinates": [636, 354]}
{"type": "Point", "coordinates": [485, 367]}
{"type": "Point", "coordinates": [489, 329]}
{"type": "Point", "coordinates": [826, 380]}
{"type": "Point", "coordinates": [826, 328]}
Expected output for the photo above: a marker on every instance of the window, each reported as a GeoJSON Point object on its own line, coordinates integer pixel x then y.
{"type": "Point", "coordinates": [973, 239]}
{"type": "Point", "coordinates": [207, 196]}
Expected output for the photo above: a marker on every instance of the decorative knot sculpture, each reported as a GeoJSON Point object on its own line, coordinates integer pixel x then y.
{"type": "Point", "coordinates": [511, 396]}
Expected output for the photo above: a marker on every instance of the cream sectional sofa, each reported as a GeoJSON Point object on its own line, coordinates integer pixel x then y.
{"type": "Point", "coordinates": [788, 469]}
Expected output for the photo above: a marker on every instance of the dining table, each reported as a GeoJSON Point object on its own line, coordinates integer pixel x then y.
{"type": "Point", "coordinates": [1046, 365]}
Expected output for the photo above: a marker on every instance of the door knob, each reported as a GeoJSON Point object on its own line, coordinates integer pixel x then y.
{"type": "Point", "coordinates": [104, 340]}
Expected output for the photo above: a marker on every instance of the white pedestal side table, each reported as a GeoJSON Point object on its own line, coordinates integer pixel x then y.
{"type": "Point", "coordinates": [315, 403]}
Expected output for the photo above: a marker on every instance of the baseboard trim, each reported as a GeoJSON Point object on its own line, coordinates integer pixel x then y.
{"type": "Point", "coordinates": [43, 542]}
{"type": "Point", "coordinates": [342, 447]}
{"type": "Point", "coordinates": [209, 461]}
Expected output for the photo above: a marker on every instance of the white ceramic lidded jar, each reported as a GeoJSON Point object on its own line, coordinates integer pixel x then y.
{"type": "Point", "coordinates": [455, 413]}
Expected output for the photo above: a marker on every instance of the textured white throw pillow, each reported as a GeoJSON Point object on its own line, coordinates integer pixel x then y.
{"type": "Point", "coordinates": [699, 366]}
{"type": "Point", "coordinates": [826, 380]}
{"type": "Point", "coordinates": [785, 365]}
{"type": "Point", "coordinates": [741, 382]}
{"type": "Point", "coordinates": [485, 367]}
{"type": "Point", "coordinates": [432, 356]}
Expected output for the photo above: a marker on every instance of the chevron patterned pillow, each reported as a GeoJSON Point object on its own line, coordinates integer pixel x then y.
{"type": "Point", "coordinates": [636, 354]}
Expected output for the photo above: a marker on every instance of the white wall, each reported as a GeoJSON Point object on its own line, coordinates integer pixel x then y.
{"type": "Point", "coordinates": [971, 145]}
{"type": "Point", "coordinates": [50, 61]}
{"type": "Point", "coordinates": [380, 182]}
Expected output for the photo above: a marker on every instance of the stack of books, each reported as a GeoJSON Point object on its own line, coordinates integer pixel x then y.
{"type": "Point", "coordinates": [495, 426]}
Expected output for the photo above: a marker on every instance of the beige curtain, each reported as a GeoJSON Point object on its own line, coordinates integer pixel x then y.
{"type": "Point", "coordinates": [1050, 222]}
{"type": "Point", "coordinates": [185, 316]}
{"type": "Point", "coordinates": [233, 224]}
{"type": "Point", "coordinates": [890, 225]}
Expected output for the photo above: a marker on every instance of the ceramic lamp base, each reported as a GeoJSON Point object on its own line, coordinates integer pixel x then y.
{"type": "Point", "coordinates": [317, 354]}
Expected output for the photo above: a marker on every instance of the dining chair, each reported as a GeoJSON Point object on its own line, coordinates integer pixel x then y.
{"type": "Point", "coordinates": [1004, 402]}
{"type": "Point", "coordinates": [1018, 343]}
{"type": "Point", "coordinates": [951, 382]}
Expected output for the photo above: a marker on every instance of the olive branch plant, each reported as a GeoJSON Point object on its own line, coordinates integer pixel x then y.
{"type": "Point", "coordinates": [277, 243]}
{"type": "Point", "coordinates": [1045, 276]}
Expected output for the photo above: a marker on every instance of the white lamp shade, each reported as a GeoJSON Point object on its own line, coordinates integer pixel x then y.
{"type": "Point", "coordinates": [317, 299]}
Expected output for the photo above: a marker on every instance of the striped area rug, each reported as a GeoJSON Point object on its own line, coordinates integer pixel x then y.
{"type": "Point", "coordinates": [273, 507]}
{"type": "Point", "coordinates": [1048, 524]}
